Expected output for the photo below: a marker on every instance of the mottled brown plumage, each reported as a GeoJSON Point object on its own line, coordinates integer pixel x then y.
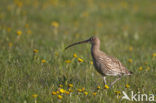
{"type": "Point", "coordinates": [104, 64]}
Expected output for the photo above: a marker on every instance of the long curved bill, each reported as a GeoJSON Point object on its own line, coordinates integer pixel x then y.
{"type": "Point", "coordinates": [85, 41]}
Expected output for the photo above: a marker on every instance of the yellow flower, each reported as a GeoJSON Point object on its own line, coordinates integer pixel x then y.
{"type": "Point", "coordinates": [74, 55]}
{"type": "Point", "coordinates": [130, 60]}
{"type": "Point", "coordinates": [70, 90]}
{"type": "Point", "coordinates": [57, 92]}
{"type": "Point", "coordinates": [70, 85]}
{"type": "Point", "coordinates": [79, 90]}
{"type": "Point", "coordinates": [26, 25]}
{"type": "Point", "coordinates": [34, 95]}
{"type": "Point", "coordinates": [35, 51]}
{"type": "Point", "coordinates": [91, 62]}
{"type": "Point", "coordinates": [98, 87]}
{"type": "Point", "coordinates": [10, 44]}
{"type": "Point", "coordinates": [29, 32]}
{"type": "Point", "coordinates": [117, 92]}
{"type": "Point", "coordinates": [130, 48]}
{"type": "Point", "coordinates": [54, 93]}
{"type": "Point", "coordinates": [148, 68]}
{"type": "Point", "coordinates": [80, 60]}
{"type": "Point", "coordinates": [86, 93]}
{"type": "Point", "coordinates": [68, 61]}
{"type": "Point", "coordinates": [62, 91]}
{"type": "Point", "coordinates": [67, 92]}
{"type": "Point", "coordinates": [140, 68]}
{"type": "Point", "coordinates": [61, 85]}
{"type": "Point", "coordinates": [9, 29]}
{"type": "Point", "coordinates": [83, 89]}
{"type": "Point", "coordinates": [43, 61]}
{"type": "Point", "coordinates": [127, 86]}
{"type": "Point", "coordinates": [59, 97]}
{"type": "Point", "coordinates": [106, 87]}
{"type": "Point", "coordinates": [55, 24]}
{"type": "Point", "coordinates": [154, 54]}
{"type": "Point", "coordinates": [94, 93]}
{"type": "Point", "coordinates": [19, 32]}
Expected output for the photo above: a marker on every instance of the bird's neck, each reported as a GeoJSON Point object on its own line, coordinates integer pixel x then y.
{"type": "Point", "coordinates": [95, 49]}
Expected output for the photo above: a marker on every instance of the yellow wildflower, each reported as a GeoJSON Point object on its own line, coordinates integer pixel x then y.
{"type": "Point", "coordinates": [94, 93]}
{"type": "Point", "coordinates": [127, 86]}
{"type": "Point", "coordinates": [19, 32]}
{"type": "Point", "coordinates": [29, 31]}
{"type": "Point", "coordinates": [9, 29]}
{"type": "Point", "coordinates": [130, 60]}
{"type": "Point", "coordinates": [62, 91]}
{"type": "Point", "coordinates": [83, 89]}
{"type": "Point", "coordinates": [54, 93]}
{"type": "Point", "coordinates": [67, 92]}
{"type": "Point", "coordinates": [154, 55]}
{"type": "Point", "coordinates": [61, 85]}
{"type": "Point", "coordinates": [34, 95]}
{"type": "Point", "coordinates": [91, 62]}
{"type": "Point", "coordinates": [43, 61]}
{"type": "Point", "coordinates": [75, 55]}
{"type": "Point", "coordinates": [86, 93]}
{"type": "Point", "coordinates": [59, 97]}
{"type": "Point", "coordinates": [98, 87]}
{"type": "Point", "coordinates": [79, 90]}
{"type": "Point", "coordinates": [10, 44]}
{"type": "Point", "coordinates": [140, 68]}
{"type": "Point", "coordinates": [26, 25]}
{"type": "Point", "coordinates": [106, 87]}
{"type": "Point", "coordinates": [35, 51]}
{"type": "Point", "coordinates": [57, 92]}
{"type": "Point", "coordinates": [55, 24]}
{"type": "Point", "coordinates": [70, 90]}
{"type": "Point", "coordinates": [117, 92]}
{"type": "Point", "coordinates": [130, 48]}
{"type": "Point", "coordinates": [70, 85]}
{"type": "Point", "coordinates": [68, 61]}
{"type": "Point", "coordinates": [80, 60]}
{"type": "Point", "coordinates": [148, 68]}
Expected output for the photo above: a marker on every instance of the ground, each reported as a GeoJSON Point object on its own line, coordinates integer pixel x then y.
{"type": "Point", "coordinates": [34, 67]}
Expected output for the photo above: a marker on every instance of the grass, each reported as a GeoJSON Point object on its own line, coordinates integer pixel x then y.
{"type": "Point", "coordinates": [125, 28]}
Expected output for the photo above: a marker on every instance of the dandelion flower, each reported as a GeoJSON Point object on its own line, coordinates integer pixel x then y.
{"type": "Point", "coordinates": [62, 91]}
{"type": "Point", "coordinates": [60, 85]}
{"type": "Point", "coordinates": [59, 97]}
{"type": "Point", "coordinates": [9, 29]}
{"type": "Point", "coordinates": [91, 62]}
{"type": "Point", "coordinates": [154, 55]}
{"type": "Point", "coordinates": [34, 95]}
{"type": "Point", "coordinates": [70, 85]}
{"type": "Point", "coordinates": [140, 68]}
{"type": "Point", "coordinates": [67, 92]}
{"type": "Point", "coordinates": [43, 61]}
{"type": "Point", "coordinates": [98, 87]}
{"type": "Point", "coordinates": [79, 90]}
{"type": "Point", "coordinates": [130, 48]}
{"type": "Point", "coordinates": [68, 61]}
{"type": "Point", "coordinates": [55, 24]}
{"type": "Point", "coordinates": [75, 55]}
{"type": "Point", "coordinates": [35, 51]}
{"type": "Point", "coordinates": [117, 92]}
{"type": "Point", "coordinates": [106, 87]}
{"type": "Point", "coordinates": [94, 93]}
{"type": "Point", "coordinates": [86, 93]}
{"type": "Point", "coordinates": [127, 86]}
{"type": "Point", "coordinates": [130, 60]}
{"type": "Point", "coordinates": [54, 93]}
{"type": "Point", "coordinates": [80, 60]}
{"type": "Point", "coordinates": [83, 89]}
{"type": "Point", "coordinates": [70, 90]}
{"type": "Point", "coordinates": [57, 92]}
{"type": "Point", "coordinates": [19, 32]}
{"type": "Point", "coordinates": [148, 68]}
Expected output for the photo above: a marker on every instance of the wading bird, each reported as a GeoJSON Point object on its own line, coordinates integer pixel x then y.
{"type": "Point", "coordinates": [104, 64]}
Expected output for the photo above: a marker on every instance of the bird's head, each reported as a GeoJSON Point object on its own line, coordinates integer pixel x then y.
{"type": "Point", "coordinates": [93, 40]}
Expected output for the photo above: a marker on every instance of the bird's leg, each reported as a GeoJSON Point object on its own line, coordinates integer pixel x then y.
{"type": "Point", "coordinates": [104, 79]}
{"type": "Point", "coordinates": [115, 81]}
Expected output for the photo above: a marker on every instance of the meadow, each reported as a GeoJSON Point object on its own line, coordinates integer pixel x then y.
{"type": "Point", "coordinates": [35, 68]}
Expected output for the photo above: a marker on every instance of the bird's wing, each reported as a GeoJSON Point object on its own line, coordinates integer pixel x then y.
{"type": "Point", "coordinates": [112, 64]}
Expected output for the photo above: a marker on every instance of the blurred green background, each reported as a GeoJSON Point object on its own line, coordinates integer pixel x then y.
{"type": "Point", "coordinates": [34, 33]}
